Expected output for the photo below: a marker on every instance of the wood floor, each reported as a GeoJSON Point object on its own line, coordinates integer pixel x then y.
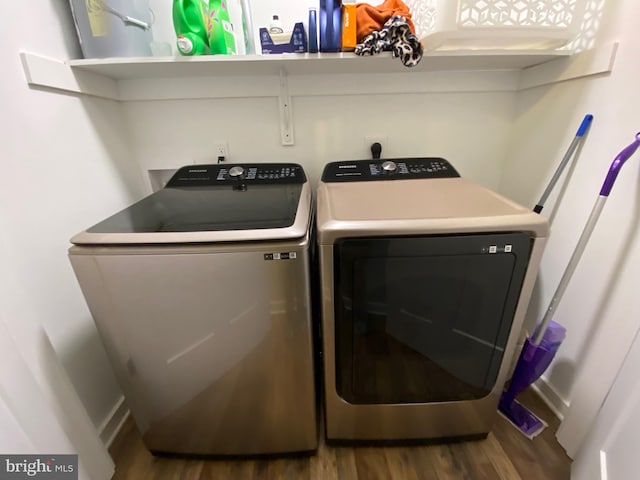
{"type": "Point", "coordinates": [504, 455]}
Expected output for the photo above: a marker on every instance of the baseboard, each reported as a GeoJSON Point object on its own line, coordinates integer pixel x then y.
{"type": "Point", "coordinates": [551, 397]}
{"type": "Point", "coordinates": [113, 423]}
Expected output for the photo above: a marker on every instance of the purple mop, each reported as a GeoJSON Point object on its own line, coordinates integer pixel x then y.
{"type": "Point", "coordinates": [538, 353]}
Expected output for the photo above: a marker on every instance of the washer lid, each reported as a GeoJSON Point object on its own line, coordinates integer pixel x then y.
{"type": "Point", "coordinates": [205, 203]}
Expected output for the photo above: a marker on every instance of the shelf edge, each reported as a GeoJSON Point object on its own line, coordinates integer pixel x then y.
{"type": "Point", "coordinates": [70, 77]}
{"type": "Point", "coordinates": [53, 74]}
{"type": "Point", "coordinates": [584, 64]}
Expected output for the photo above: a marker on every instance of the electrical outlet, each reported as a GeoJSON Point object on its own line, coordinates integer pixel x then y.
{"type": "Point", "coordinates": [220, 150]}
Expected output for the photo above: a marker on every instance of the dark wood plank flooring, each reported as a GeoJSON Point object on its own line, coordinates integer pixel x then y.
{"type": "Point", "coordinates": [505, 455]}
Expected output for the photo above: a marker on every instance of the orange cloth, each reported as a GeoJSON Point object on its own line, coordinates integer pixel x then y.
{"type": "Point", "coordinates": [370, 18]}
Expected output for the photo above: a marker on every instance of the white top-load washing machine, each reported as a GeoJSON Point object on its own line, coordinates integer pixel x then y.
{"type": "Point", "coordinates": [201, 295]}
{"type": "Point", "coordinates": [425, 279]}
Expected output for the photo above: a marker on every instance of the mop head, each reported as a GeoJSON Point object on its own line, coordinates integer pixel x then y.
{"type": "Point", "coordinates": [523, 419]}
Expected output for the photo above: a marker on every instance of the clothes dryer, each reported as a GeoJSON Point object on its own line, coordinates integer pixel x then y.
{"type": "Point", "coordinates": [201, 295]}
{"type": "Point", "coordinates": [425, 279]}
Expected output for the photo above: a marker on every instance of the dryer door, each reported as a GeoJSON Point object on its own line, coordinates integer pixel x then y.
{"type": "Point", "coordinates": [424, 319]}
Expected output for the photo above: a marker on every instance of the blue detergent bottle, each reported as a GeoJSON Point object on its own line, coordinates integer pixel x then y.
{"type": "Point", "coordinates": [330, 25]}
{"type": "Point", "coordinates": [313, 31]}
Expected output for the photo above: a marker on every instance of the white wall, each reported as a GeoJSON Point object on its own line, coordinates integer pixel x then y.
{"type": "Point", "coordinates": [65, 164]}
{"type": "Point", "coordinates": [469, 129]}
{"type": "Point", "coordinates": [40, 412]}
{"type": "Point", "coordinates": [600, 308]}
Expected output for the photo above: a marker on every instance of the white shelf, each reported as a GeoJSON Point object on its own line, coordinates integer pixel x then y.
{"type": "Point", "coordinates": [307, 64]}
{"type": "Point", "coordinates": [154, 78]}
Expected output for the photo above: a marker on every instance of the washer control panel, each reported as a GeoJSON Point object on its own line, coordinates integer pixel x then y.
{"type": "Point", "coordinates": [388, 169]}
{"type": "Point", "coordinates": [247, 174]}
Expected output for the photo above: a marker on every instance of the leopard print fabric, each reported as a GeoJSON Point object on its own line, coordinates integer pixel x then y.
{"type": "Point", "coordinates": [395, 36]}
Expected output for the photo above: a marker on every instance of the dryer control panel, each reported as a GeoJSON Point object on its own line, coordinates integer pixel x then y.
{"type": "Point", "coordinates": [388, 169]}
{"type": "Point", "coordinates": [234, 174]}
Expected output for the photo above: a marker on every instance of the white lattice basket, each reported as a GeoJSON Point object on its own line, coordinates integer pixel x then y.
{"type": "Point", "coordinates": [496, 24]}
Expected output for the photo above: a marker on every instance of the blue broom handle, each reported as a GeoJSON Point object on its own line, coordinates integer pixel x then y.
{"type": "Point", "coordinates": [586, 233]}
{"type": "Point", "coordinates": [584, 126]}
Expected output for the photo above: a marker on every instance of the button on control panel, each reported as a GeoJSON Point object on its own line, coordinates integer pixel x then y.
{"type": "Point", "coordinates": [274, 173]}
{"type": "Point", "coordinates": [254, 173]}
{"type": "Point", "coordinates": [392, 169]}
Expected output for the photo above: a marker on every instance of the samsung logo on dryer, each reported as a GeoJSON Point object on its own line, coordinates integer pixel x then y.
{"type": "Point", "coordinates": [347, 166]}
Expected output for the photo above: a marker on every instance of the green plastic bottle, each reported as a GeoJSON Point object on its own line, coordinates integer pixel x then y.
{"type": "Point", "coordinates": [222, 40]}
{"type": "Point", "coordinates": [189, 23]}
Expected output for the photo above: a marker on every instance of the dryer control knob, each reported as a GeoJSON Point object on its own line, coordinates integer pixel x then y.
{"type": "Point", "coordinates": [236, 171]}
{"type": "Point", "coordinates": [389, 166]}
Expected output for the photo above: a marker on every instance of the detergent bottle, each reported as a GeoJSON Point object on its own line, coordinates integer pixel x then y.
{"type": "Point", "coordinates": [222, 39]}
{"type": "Point", "coordinates": [189, 23]}
{"type": "Point", "coordinates": [330, 25]}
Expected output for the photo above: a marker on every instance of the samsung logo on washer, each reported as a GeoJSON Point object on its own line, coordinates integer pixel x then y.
{"type": "Point", "coordinates": [347, 166]}
{"type": "Point", "coordinates": [50, 467]}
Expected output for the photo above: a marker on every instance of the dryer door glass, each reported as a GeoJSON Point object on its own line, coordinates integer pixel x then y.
{"type": "Point", "coordinates": [424, 319]}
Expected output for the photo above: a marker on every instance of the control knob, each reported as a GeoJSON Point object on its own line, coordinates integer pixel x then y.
{"type": "Point", "coordinates": [236, 171]}
{"type": "Point", "coordinates": [389, 166]}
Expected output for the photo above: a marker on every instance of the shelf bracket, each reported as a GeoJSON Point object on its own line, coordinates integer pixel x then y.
{"type": "Point", "coordinates": [286, 114]}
